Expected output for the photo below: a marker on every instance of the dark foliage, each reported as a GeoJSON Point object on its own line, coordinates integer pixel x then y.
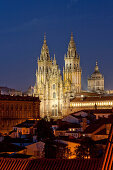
{"type": "Point", "coordinates": [87, 149]}
{"type": "Point", "coordinates": [44, 130]}
{"type": "Point", "coordinates": [55, 150]}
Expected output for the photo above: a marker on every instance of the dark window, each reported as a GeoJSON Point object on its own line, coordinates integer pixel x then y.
{"type": "Point", "coordinates": [53, 86]}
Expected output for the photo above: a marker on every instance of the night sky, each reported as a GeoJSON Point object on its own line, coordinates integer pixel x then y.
{"type": "Point", "coordinates": [22, 27]}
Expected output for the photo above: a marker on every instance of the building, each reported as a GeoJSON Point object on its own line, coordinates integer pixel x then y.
{"type": "Point", "coordinates": [91, 103]}
{"type": "Point", "coordinates": [35, 150]}
{"type": "Point", "coordinates": [49, 85]}
{"type": "Point", "coordinates": [16, 109]}
{"type": "Point", "coordinates": [96, 81]}
{"type": "Point", "coordinates": [54, 92]}
{"type": "Point", "coordinates": [72, 71]}
{"type": "Point", "coordinates": [99, 129]}
{"type": "Point", "coordinates": [23, 129]}
{"type": "Point", "coordinates": [9, 91]}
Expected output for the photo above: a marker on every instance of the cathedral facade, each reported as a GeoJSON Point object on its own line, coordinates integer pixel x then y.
{"type": "Point", "coordinates": [54, 91]}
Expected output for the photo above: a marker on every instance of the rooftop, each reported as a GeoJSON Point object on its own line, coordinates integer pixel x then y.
{"type": "Point", "coordinates": [8, 147]}
{"type": "Point", "coordinates": [27, 124]}
{"type": "Point", "coordinates": [31, 164]}
{"type": "Point", "coordinates": [97, 124]}
{"type": "Point", "coordinates": [92, 98]}
{"type": "Point", "coordinates": [18, 98]}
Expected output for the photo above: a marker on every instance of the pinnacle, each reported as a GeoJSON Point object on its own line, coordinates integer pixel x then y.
{"type": "Point", "coordinates": [72, 36]}
{"type": "Point", "coordinates": [96, 67]}
{"type": "Point", "coordinates": [44, 38]}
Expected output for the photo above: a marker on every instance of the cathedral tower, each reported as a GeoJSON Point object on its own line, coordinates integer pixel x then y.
{"type": "Point", "coordinates": [72, 70]}
{"type": "Point", "coordinates": [49, 86]}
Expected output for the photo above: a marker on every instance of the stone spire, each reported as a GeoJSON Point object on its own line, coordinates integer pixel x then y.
{"type": "Point", "coordinates": [44, 38]}
{"type": "Point", "coordinates": [54, 61]}
{"type": "Point", "coordinates": [45, 43]}
{"type": "Point", "coordinates": [72, 43]}
{"type": "Point", "coordinates": [71, 48]}
{"type": "Point", "coordinates": [45, 50]}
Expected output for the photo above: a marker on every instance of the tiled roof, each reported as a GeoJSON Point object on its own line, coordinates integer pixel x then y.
{"type": "Point", "coordinates": [67, 125]}
{"type": "Point", "coordinates": [19, 98]}
{"type": "Point", "coordinates": [102, 132]}
{"type": "Point", "coordinates": [94, 111]}
{"type": "Point", "coordinates": [97, 124]}
{"type": "Point", "coordinates": [27, 124]}
{"type": "Point", "coordinates": [87, 93]}
{"type": "Point", "coordinates": [13, 164]}
{"type": "Point", "coordinates": [50, 164]}
{"type": "Point", "coordinates": [8, 147]}
{"type": "Point", "coordinates": [108, 155]}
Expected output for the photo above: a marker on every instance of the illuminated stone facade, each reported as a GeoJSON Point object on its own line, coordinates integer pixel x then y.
{"type": "Point", "coordinates": [96, 81]}
{"type": "Point", "coordinates": [54, 92]}
{"type": "Point", "coordinates": [90, 103]}
{"type": "Point", "coordinates": [49, 85]}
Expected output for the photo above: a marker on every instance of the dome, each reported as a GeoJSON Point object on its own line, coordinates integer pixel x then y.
{"type": "Point", "coordinates": [96, 73]}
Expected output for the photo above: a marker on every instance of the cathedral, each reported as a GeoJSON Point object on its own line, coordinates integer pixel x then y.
{"type": "Point", "coordinates": [54, 91]}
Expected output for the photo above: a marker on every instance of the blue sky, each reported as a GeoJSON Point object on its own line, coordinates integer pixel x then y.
{"type": "Point", "coordinates": [22, 27]}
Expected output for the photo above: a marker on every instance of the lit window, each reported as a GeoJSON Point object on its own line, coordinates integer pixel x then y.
{"type": "Point", "coordinates": [54, 95]}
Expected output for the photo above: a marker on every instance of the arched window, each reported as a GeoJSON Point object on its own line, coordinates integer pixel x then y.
{"type": "Point", "coordinates": [74, 66]}
{"type": "Point", "coordinates": [52, 112]}
{"type": "Point", "coordinates": [55, 112]}
{"type": "Point", "coordinates": [70, 66]}
{"type": "Point", "coordinates": [53, 86]}
{"type": "Point", "coordinates": [47, 69]}
{"type": "Point", "coordinates": [54, 95]}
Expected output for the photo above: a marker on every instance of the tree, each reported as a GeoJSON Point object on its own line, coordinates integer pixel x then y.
{"type": "Point", "coordinates": [87, 149]}
{"type": "Point", "coordinates": [55, 149]}
{"type": "Point", "coordinates": [44, 130]}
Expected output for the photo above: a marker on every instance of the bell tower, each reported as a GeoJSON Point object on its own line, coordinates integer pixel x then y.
{"type": "Point", "coordinates": [72, 70]}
